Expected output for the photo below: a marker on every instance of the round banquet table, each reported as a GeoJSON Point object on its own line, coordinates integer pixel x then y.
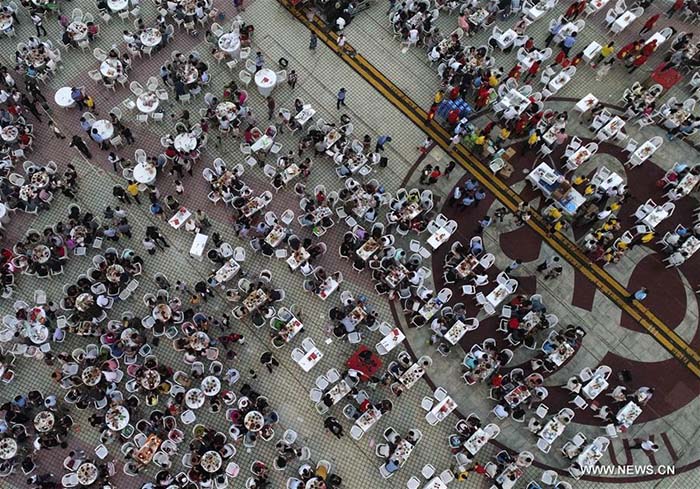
{"type": "Point", "coordinates": [254, 421]}
{"type": "Point", "coordinates": [6, 22]}
{"type": "Point", "coordinates": [41, 254]}
{"type": "Point", "coordinates": [147, 102]}
{"type": "Point", "coordinates": [87, 473]}
{"type": "Point", "coordinates": [63, 98]}
{"type": "Point", "coordinates": [40, 179]}
{"type": "Point", "coordinates": [91, 376]}
{"type": "Point", "coordinates": [194, 399]}
{"type": "Point", "coordinates": [144, 173]}
{"type": "Point", "coordinates": [8, 448]}
{"type": "Point", "coordinates": [117, 418]}
{"type": "Point", "coordinates": [199, 341]}
{"type": "Point", "coordinates": [44, 421]}
{"type": "Point", "coordinates": [111, 68]}
{"type": "Point", "coordinates": [38, 334]}
{"type": "Point", "coordinates": [226, 110]}
{"type": "Point", "coordinates": [104, 128]}
{"type": "Point", "coordinates": [78, 29]}
{"type": "Point", "coordinates": [114, 273]}
{"type": "Point", "coordinates": [84, 301]}
{"type": "Point", "coordinates": [162, 312]}
{"type": "Point", "coordinates": [211, 461]}
{"type": "Point", "coordinates": [315, 483]}
{"type": "Point", "coordinates": [230, 43]}
{"type": "Point", "coordinates": [211, 385]}
{"type": "Point", "coordinates": [185, 142]}
{"type": "Point", "coordinates": [151, 37]}
{"type": "Point", "coordinates": [265, 80]}
{"type": "Point", "coordinates": [117, 5]}
{"type": "Point", "coordinates": [150, 379]}
{"type": "Point", "coordinates": [9, 133]}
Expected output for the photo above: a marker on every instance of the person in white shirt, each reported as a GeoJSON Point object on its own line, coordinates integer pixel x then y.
{"type": "Point", "coordinates": [646, 445]}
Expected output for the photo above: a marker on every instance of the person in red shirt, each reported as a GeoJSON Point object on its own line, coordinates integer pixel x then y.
{"type": "Point", "coordinates": [529, 44]}
{"type": "Point", "coordinates": [482, 97]}
{"type": "Point", "coordinates": [434, 175]}
{"type": "Point", "coordinates": [431, 113]}
{"type": "Point", "coordinates": [572, 12]}
{"type": "Point", "coordinates": [649, 24]}
{"type": "Point", "coordinates": [453, 117]}
{"type": "Point", "coordinates": [514, 73]}
{"type": "Point", "coordinates": [454, 93]}
{"type": "Point", "coordinates": [629, 50]}
{"type": "Point", "coordinates": [649, 48]}
{"type": "Point", "coordinates": [497, 380]}
{"type": "Point", "coordinates": [532, 70]}
{"type": "Point", "coordinates": [638, 61]}
{"type": "Point", "coordinates": [676, 7]}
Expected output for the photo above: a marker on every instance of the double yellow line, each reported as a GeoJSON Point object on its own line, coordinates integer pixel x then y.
{"type": "Point", "coordinates": [560, 243]}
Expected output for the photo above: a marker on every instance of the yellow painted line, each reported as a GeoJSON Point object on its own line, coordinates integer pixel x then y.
{"type": "Point", "coordinates": [562, 245]}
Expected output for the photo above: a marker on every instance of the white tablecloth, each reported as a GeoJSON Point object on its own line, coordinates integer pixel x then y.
{"type": "Point", "coordinates": [144, 173]}
{"type": "Point", "coordinates": [265, 80]}
{"type": "Point", "coordinates": [310, 359]}
{"type": "Point", "coordinates": [63, 98]}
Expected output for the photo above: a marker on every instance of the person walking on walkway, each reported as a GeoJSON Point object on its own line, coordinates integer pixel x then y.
{"type": "Point", "coordinates": [340, 98]}
{"type": "Point", "coordinates": [313, 42]}
{"type": "Point", "coordinates": [78, 143]}
{"type": "Point", "coordinates": [381, 141]}
{"type": "Point", "coordinates": [647, 445]}
{"type": "Point", "coordinates": [334, 426]}
{"type": "Point", "coordinates": [133, 190]}
{"type": "Point", "coordinates": [270, 108]}
{"type": "Point", "coordinates": [549, 262]}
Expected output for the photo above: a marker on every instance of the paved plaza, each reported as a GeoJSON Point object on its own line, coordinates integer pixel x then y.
{"type": "Point", "coordinates": [655, 341]}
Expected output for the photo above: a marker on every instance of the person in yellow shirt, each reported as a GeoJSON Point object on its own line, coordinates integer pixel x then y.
{"type": "Point", "coordinates": [493, 81]}
{"type": "Point", "coordinates": [589, 190]}
{"type": "Point", "coordinates": [531, 142]}
{"type": "Point", "coordinates": [647, 237]}
{"type": "Point", "coordinates": [615, 206]}
{"type": "Point", "coordinates": [554, 214]}
{"type": "Point", "coordinates": [605, 51]}
{"type": "Point", "coordinates": [579, 180]}
{"type": "Point", "coordinates": [503, 135]}
{"type": "Point", "coordinates": [439, 95]}
{"type": "Point", "coordinates": [133, 189]}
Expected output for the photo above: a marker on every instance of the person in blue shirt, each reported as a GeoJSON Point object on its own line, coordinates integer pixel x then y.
{"type": "Point", "coordinates": [392, 466]}
{"type": "Point", "coordinates": [568, 43]}
{"type": "Point", "coordinates": [381, 141]}
{"type": "Point", "coordinates": [639, 295]}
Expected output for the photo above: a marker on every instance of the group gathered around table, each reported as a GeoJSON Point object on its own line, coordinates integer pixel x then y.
{"type": "Point", "coordinates": [153, 412]}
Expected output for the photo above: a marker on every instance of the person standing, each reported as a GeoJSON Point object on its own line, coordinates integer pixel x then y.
{"type": "Point", "coordinates": [259, 61]}
{"type": "Point", "coordinates": [334, 426]}
{"type": "Point", "coordinates": [552, 260]}
{"type": "Point", "coordinates": [78, 143]}
{"type": "Point", "coordinates": [56, 131]}
{"type": "Point", "coordinates": [676, 7]}
{"type": "Point", "coordinates": [381, 141]}
{"type": "Point", "coordinates": [292, 79]}
{"type": "Point", "coordinates": [646, 445]}
{"type": "Point", "coordinates": [39, 24]}
{"type": "Point", "coordinates": [270, 108]}
{"type": "Point", "coordinates": [568, 43]}
{"type": "Point", "coordinates": [340, 98]}
{"type": "Point", "coordinates": [313, 41]}
{"type": "Point", "coordinates": [649, 24]}
{"type": "Point", "coordinates": [133, 190]}
{"type": "Point", "coordinates": [514, 265]}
